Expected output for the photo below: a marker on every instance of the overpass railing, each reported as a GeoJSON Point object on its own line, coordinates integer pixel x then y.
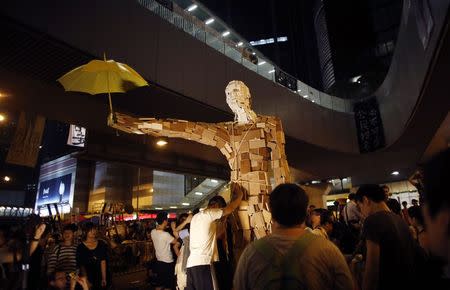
{"type": "Point", "coordinates": [206, 27]}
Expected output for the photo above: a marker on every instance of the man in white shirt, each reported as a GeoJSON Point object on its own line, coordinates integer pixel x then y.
{"type": "Point", "coordinates": [203, 246]}
{"type": "Point", "coordinates": [352, 215]}
{"type": "Point", "coordinates": [162, 240]}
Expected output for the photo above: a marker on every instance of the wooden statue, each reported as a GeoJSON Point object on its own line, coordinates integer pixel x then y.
{"type": "Point", "coordinates": [253, 145]}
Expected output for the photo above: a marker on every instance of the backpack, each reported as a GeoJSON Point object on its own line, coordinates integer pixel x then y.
{"type": "Point", "coordinates": [283, 273]}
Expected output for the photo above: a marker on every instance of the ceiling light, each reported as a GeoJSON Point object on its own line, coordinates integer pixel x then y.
{"type": "Point", "coordinates": [2, 118]}
{"type": "Point", "coordinates": [395, 173]}
{"type": "Point", "coordinates": [173, 207]}
{"type": "Point", "coordinates": [305, 96]}
{"type": "Point", "coordinates": [299, 90]}
{"type": "Point", "coordinates": [161, 143]}
{"type": "Point", "coordinates": [253, 53]}
{"type": "Point", "coordinates": [40, 146]}
{"type": "Point", "coordinates": [214, 181]}
{"type": "Point", "coordinates": [7, 178]}
{"type": "Point", "coordinates": [355, 79]}
{"type": "Point", "coordinates": [198, 193]}
{"type": "Point", "coordinates": [209, 21]}
{"type": "Point", "coordinates": [151, 190]}
{"type": "Point", "coordinates": [192, 7]}
{"type": "Point", "coordinates": [240, 43]}
{"type": "Point", "coordinates": [158, 208]}
{"type": "Point", "coordinates": [261, 63]}
{"type": "Point", "coordinates": [271, 71]}
{"type": "Point", "coordinates": [185, 203]}
{"type": "Point", "coordinates": [226, 33]}
{"type": "Point", "coordinates": [313, 101]}
{"type": "Point", "coordinates": [315, 181]}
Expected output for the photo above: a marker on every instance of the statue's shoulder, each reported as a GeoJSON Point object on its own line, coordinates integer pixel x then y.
{"type": "Point", "coordinates": [268, 119]}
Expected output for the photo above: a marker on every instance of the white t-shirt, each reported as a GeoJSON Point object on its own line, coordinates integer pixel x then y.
{"type": "Point", "coordinates": [203, 246]}
{"type": "Point", "coordinates": [162, 241]}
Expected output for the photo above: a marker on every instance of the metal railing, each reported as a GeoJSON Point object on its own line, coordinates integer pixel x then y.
{"type": "Point", "coordinates": [240, 50]}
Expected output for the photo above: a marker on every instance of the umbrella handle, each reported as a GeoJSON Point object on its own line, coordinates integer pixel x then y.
{"type": "Point", "coordinates": [111, 111]}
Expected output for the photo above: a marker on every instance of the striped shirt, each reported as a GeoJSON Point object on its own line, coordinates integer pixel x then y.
{"type": "Point", "coordinates": [63, 258]}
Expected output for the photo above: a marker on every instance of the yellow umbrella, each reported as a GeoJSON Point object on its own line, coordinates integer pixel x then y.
{"type": "Point", "coordinates": [102, 76]}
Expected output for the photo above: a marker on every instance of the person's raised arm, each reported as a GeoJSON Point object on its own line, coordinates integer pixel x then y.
{"type": "Point", "coordinates": [237, 192]}
{"type": "Point", "coordinates": [183, 224]}
{"type": "Point", "coordinates": [37, 236]}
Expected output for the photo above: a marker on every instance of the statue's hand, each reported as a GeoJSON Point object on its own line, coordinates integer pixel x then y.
{"type": "Point", "coordinates": [112, 119]}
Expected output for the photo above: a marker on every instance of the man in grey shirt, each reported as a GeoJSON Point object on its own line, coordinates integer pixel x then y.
{"type": "Point", "coordinates": [321, 265]}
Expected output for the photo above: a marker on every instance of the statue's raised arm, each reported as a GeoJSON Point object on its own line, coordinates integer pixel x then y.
{"type": "Point", "coordinates": [205, 133]}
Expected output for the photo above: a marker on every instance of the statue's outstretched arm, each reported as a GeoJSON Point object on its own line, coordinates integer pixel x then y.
{"type": "Point", "coordinates": [205, 133]}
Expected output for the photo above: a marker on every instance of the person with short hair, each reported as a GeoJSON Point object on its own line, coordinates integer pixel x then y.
{"type": "Point", "coordinates": [162, 241]}
{"type": "Point", "coordinates": [202, 245]}
{"type": "Point", "coordinates": [326, 224]}
{"type": "Point", "coordinates": [306, 259]}
{"type": "Point", "coordinates": [63, 257]}
{"type": "Point", "coordinates": [351, 213]}
{"type": "Point", "coordinates": [436, 208]}
{"type": "Point", "coordinates": [389, 245]}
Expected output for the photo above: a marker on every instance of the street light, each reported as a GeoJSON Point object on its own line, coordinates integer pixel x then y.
{"type": "Point", "coordinates": [7, 178]}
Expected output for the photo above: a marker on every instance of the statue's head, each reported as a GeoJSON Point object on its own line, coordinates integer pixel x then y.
{"type": "Point", "coordinates": [239, 100]}
{"type": "Point", "coordinates": [238, 95]}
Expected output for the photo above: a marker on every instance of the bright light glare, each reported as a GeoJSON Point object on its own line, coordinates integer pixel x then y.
{"type": "Point", "coordinates": [240, 43]}
{"type": "Point", "coordinates": [158, 208]}
{"type": "Point", "coordinates": [209, 21]}
{"type": "Point", "coordinates": [192, 7]}
{"type": "Point", "coordinates": [226, 33]}
{"type": "Point", "coordinates": [174, 207]}
{"type": "Point", "coordinates": [271, 71]}
{"type": "Point", "coordinates": [395, 173]}
{"type": "Point", "coordinates": [198, 193]}
{"type": "Point", "coordinates": [185, 203]}
{"type": "Point", "coordinates": [261, 63]}
{"type": "Point", "coordinates": [161, 143]}
{"type": "Point", "coordinates": [7, 178]}
{"type": "Point", "coordinates": [2, 118]}
{"type": "Point", "coordinates": [214, 181]}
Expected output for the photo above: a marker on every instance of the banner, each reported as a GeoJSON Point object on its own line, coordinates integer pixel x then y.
{"type": "Point", "coordinates": [24, 149]}
{"type": "Point", "coordinates": [369, 126]}
{"type": "Point", "coordinates": [55, 190]}
{"type": "Point", "coordinates": [77, 136]}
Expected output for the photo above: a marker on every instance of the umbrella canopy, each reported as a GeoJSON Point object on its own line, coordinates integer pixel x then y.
{"type": "Point", "coordinates": [99, 77]}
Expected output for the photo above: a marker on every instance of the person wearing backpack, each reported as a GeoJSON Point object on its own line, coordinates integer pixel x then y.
{"type": "Point", "coordinates": [291, 258]}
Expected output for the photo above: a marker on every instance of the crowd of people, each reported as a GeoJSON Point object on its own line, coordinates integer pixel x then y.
{"type": "Point", "coordinates": [372, 242]}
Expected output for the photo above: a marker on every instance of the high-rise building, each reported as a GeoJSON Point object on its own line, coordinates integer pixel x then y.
{"type": "Point", "coordinates": [355, 41]}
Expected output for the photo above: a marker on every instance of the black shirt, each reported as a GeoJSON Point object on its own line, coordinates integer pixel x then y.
{"type": "Point", "coordinates": [90, 261]}
{"type": "Point", "coordinates": [391, 233]}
